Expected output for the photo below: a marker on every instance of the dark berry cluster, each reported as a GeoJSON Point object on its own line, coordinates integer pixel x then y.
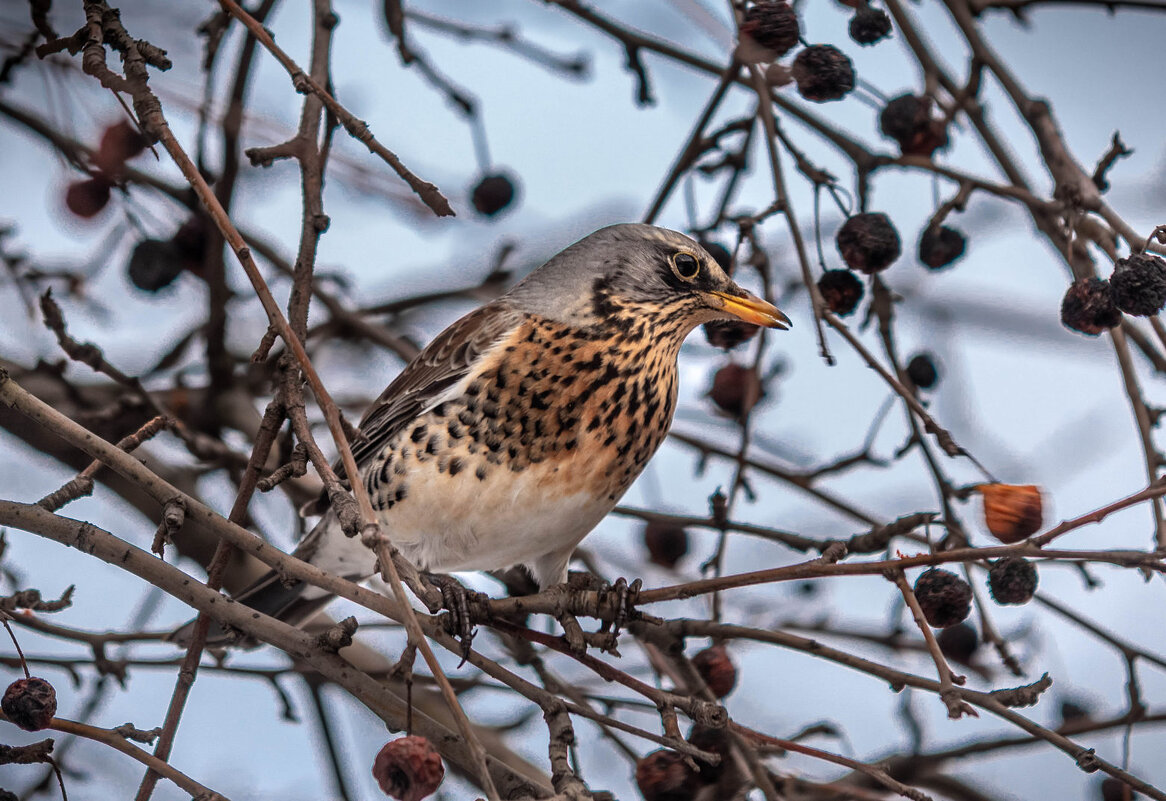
{"type": "Point", "coordinates": [736, 390]}
{"type": "Point", "coordinates": [940, 246]}
{"type": "Point", "coordinates": [1088, 307]}
{"type": "Point", "coordinates": [1012, 580]}
{"type": "Point", "coordinates": [868, 242]}
{"type": "Point", "coordinates": [823, 73]}
{"type": "Point", "coordinates": [666, 776]}
{"type": "Point", "coordinates": [908, 120]}
{"type": "Point", "coordinates": [493, 193]}
{"type": "Point", "coordinates": [666, 543]}
{"type": "Point", "coordinates": [922, 371]}
{"type": "Point", "coordinates": [717, 669]}
{"type": "Point", "coordinates": [944, 597]}
{"type": "Point", "coordinates": [773, 25]}
{"type": "Point", "coordinates": [869, 25]}
{"type": "Point", "coordinates": [841, 290]}
{"type": "Point", "coordinates": [30, 703]}
{"type": "Point", "coordinates": [1138, 284]}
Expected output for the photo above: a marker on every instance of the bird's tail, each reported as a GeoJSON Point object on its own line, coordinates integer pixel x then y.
{"type": "Point", "coordinates": [270, 595]}
{"type": "Point", "coordinates": [294, 602]}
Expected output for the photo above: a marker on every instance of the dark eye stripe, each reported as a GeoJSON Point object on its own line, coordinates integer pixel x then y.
{"type": "Point", "coordinates": [686, 265]}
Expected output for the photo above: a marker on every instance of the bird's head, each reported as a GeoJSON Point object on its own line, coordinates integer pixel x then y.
{"type": "Point", "coordinates": [640, 278]}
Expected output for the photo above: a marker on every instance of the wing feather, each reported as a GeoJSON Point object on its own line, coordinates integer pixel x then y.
{"type": "Point", "coordinates": [441, 365]}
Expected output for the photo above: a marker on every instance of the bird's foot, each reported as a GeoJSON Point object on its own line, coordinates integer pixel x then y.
{"type": "Point", "coordinates": [456, 600]}
{"type": "Point", "coordinates": [622, 596]}
{"type": "Point", "coordinates": [625, 596]}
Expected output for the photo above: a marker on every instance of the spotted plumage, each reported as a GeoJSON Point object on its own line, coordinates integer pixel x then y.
{"type": "Point", "coordinates": [520, 426]}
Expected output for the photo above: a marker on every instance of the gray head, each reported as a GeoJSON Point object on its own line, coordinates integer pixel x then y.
{"type": "Point", "coordinates": [641, 277]}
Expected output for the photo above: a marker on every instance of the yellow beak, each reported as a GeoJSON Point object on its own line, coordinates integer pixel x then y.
{"type": "Point", "coordinates": [750, 308]}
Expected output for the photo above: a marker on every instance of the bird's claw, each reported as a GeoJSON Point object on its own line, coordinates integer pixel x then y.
{"type": "Point", "coordinates": [455, 600]}
{"type": "Point", "coordinates": [625, 599]}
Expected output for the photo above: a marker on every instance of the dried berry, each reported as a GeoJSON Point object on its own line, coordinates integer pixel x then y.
{"type": "Point", "coordinates": [958, 643]}
{"type": "Point", "coordinates": [1012, 580]}
{"type": "Point", "coordinates": [922, 372]}
{"type": "Point", "coordinates": [120, 142]}
{"type": "Point", "coordinates": [30, 703]}
{"type": "Point", "coordinates": [823, 73]}
{"type": "Point", "coordinates": [773, 25]}
{"type": "Point", "coordinates": [940, 246]}
{"type": "Point", "coordinates": [908, 120]}
{"type": "Point", "coordinates": [717, 669]}
{"type": "Point", "coordinates": [736, 389]}
{"type": "Point", "coordinates": [944, 597]}
{"type": "Point", "coordinates": [87, 198]}
{"type": "Point", "coordinates": [1112, 789]}
{"type": "Point", "coordinates": [841, 290]}
{"type": "Point", "coordinates": [1088, 307]}
{"type": "Point", "coordinates": [1074, 711]}
{"type": "Point", "coordinates": [190, 240]}
{"type": "Point", "coordinates": [1012, 512]}
{"type": "Point", "coordinates": [154, 264]}
{"type": "Point", "coordinates": [715, 741]}
{"type": "Point", "coordinates": [1138, 284]}
{"type": "Point", "coordinates": [666, 776]}
{"type": "Point", "coordinates": [868, 242]}
{"type": "Point", "coordinates": [493, 193]}
{"type": "Point", "coordinates": [869, 25]}
{"type": "Point", "coordinates": [728, 334]}
{"type": "Point", "coordinates": [408, 768]}
{"type": "Point", "coordinates": [667, 543]}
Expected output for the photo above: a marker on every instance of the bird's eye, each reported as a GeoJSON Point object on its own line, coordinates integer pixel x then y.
{"type": "Point", "coordinates": [685, 265]}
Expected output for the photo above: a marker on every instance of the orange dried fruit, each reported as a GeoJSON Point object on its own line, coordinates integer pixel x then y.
{"type": "Point", "coordinates": [1012, 512]}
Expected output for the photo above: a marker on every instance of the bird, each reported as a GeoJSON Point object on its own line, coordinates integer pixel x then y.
{"type": "Point", "coordinates": [510, 436]}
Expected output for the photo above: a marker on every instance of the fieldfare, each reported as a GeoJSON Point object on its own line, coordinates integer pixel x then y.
{"type": "Point", "coordinates": [519, 427]}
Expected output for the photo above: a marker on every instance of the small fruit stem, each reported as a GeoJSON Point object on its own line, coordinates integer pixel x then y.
{"type": "Point", "coordinates": [20, 653]}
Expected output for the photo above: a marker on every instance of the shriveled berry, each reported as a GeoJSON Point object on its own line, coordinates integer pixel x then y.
{"type": "Point", "coordinates": [493, 193]}
{"type": "Point", "coordinates": [1088, 307]}
{"type": "Point", "coordinates": [408, 768]}
{"type": "Point", "coordinates": [940, 246]}
{"type": "Point", "coordinates": [908, 120]}
{"type": "Point", "coordinates": [922, 371]}
{"type": "Point", "coordinates": [1012, 580]}
{"type": "Point", "coordinates": [841, 290]}
{"type": "Point", "coordinates": [154, 264]}
{"type": "Point", "coordinates": [666, 776]}
{"type": "Point", "coordinates": [191, 238]}
{"type": "Point", "coordinates": [1112, 789]}
{"type": "Point", "coordinates": [944, 597]}
{"type": "Point", "coordinates": [30, 703]}
{"type": "Point", "coordinates": [1138, 284]}
{"type": "Point", "coordinates": [87, 198]}
{"type": "Point", "coordinates": [728, 334]}
{"type": "Point", "coordinates": [717, 669]}
{"type": "Point", "coordinates": [1012, 512]}
{"type": "Point", "coordinates": [823, 73]}
{"type": "Point", "coordinates": [1074, 711]}
{"type": "Point", "coordinates": [715, 741]}
{"type": "Point", "coordinates": [958, 643]}
{"type": "Point", "coordinates": [773, 25]}
{"type": "Point", "coordinates": [869, 25]}
{"type": "Point", "coordinates": [868, 242]}
{"type": "Point", "coordinates": [736, 389]}
{"type": "Point", "coordinates": [120, 142]}
{"type": "Point", "coordinates": [667, 543]}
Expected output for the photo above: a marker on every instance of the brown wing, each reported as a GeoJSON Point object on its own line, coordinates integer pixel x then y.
{"type": "Point", "coordinates": [446, 360]}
